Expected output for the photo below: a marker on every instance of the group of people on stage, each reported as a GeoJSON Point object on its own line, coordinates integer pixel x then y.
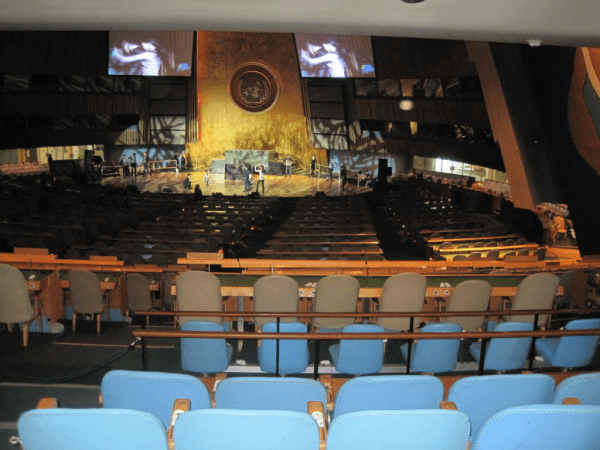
{"type": "Point", "coordinates": [129, 164]}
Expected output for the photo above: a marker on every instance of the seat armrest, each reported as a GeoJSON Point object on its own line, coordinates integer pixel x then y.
{"type": "Point", "coordinates": [317, 411]}
{"type": "Point", "coordinates": [47, 403]}
{"type": "Point", "coordinates": [571, 401]}
{"type": "Point", "coordinates": [448, 405]}
{"type": "Point", "coordinates": [180, 406]}
{"type": "Point", "coordinates": [327, 381]}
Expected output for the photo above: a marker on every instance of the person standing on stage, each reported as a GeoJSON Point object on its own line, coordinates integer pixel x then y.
{"type": "Point", "coordinates": [206, 177]}
{"type": "Point", "coordinates": [247, 178]}
{"type": "Point", "coordinates": [134, 166]}
{"type": "Point", "coordinates": [288, 165]}
{"type": "Point", "coordinates": [343, 177]}
{"type": "Point", "coordinates": [313, 165]}
{"type": "Point", "coordinates": [330, 169]}
{"type": "Point", "coordinates": [146, 163]}
{"type": "Point", "coordinates": [261, 178]}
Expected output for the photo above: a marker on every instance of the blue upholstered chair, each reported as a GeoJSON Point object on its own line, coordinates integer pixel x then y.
{"type": "Point", "coordinates": [505, 353]}
{"type": "Point", "coordinates": [218, 429]}
{"type": "Point", "coordinates": [152, 392]}
{"type": "Point", "coordinates": [204, 355]}
{"type": "Point", "coordinates": [570, 351]}
{"type": "Point", "coordinates": [585, 387]}
{"type": "Point", "coordinates": [427, 429]}
{"type": "Point", "coordinates": [91, 429]}
{"type": "Point", "coordinates": [389, 392]}
{"type": "Point", "coordinates": [434, 355]}
{"type": "Point", "coordinates": [479, 397]}
{"type": "Point", "coordinates": [293, 354]}
{"type": "Point", "coordinates": [537, 427]}
{"type": "Point", "coordinates": [358, 357]}
{"type": "Point", "coordinates": [288, 394]}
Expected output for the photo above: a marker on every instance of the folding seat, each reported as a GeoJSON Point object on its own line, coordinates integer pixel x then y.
{"type": "Point", "coordinates": [269, 393]}
{"type": "Point", "coordinates": [479, 397]}
{"type": "Point", "coordinates": [570, 351]}
{"type": "Point", "coordinates": [152, 392]}
{"type": "Point", "coordinates": [585, 387]}
{"type": "Point", "coordinates": [293, 354]}
{"type": "Point", "coordinates": [219, 429]}
{"type": "Point", "coordinates": [427, 429]}
{"type": "Point", "coordinates": [205, 355]}
{"type": "Point", "coordinates": [358, 357]}
{"type": "Point", "coordinates": [434, 355]}
{"type": "Point", "coordinates": [91, 429]}
{"type": "Point", "coordinates": [389, 392]}
{"type": "Point", "coordinates": [505, 353]}
{"type": "Point", "coordinates": [537, 427]}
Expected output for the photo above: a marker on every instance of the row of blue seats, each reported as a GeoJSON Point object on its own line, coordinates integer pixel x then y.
{"type": "Point", "coordinates": [361, 357]}
{"type": "Point", "coordinates": [500, 411]}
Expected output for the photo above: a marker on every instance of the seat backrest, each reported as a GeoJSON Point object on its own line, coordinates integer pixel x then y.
{"type": "Point", "coordinates": [360, 356]}
{"type": "Point", "coordinates": [86, 293]}
{"type": "Point", "coordinates": [15, 305]}
{"type": "Point", "coordinates": [269, 393]}
{"type": "Point", "coordinates": [153, 392]}
{"type": "Point", "coordinates": [577, 351]}
{"type": "Point", "coordinates": [217, 429]}
{"type": "Point", "coordinates": [198, 291]}
{"type": "Point", "coordinates": [404, 292]}
{"type": "Point", "coordinates": [565, 427]}
{"type": "Point", "coordinates": [92, 429]}
{"type": "Point", "coordinates": [293, 354]}
{"type": "Point", "coordinates": [428, 429]}
{"type": "Point", "coordinates": [204, 355]}
{"type": "Point", "coordinates": [472, 295]}
{"type": "Point", "coordinates": [585, 387]}
{"type": "Point", "coordinates": [335, 293]}
{"type": "Point", "coordinates": [537, 291]}
{"type": "Point", "coordinates": [436, 355]}
{"type": "Point", "coordinates": [389, 392]}
{"type": "Point", "coordinates": [508, 353]}
{"type": "Point", "coordinates": [276, 293]}
{"type": "Point", "coordinates": [479, 397]}
{"type": "Point", "coordinates": [138, 292]}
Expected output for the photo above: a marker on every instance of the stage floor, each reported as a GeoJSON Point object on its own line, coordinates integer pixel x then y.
{"type": "Point", "coordinates": [275, 186]}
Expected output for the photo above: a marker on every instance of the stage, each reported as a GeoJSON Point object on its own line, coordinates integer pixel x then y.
{"type": "Point", "coordinates": [275, 186]}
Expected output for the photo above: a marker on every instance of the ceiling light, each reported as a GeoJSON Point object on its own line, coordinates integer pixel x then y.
{"type": "Point", "coordinates": [406, 105]}
{"type": "Point", "coordinates": [412, 1]}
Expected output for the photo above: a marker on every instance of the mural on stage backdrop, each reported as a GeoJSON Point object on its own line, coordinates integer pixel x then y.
{"type": "Point", "coordinates": [249, 97]}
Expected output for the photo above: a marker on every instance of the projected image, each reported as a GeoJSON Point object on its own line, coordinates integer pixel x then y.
{"type": "Point", "coordinates": [153, 54]}
{"type": "Point", "coordinates": [334, 56]}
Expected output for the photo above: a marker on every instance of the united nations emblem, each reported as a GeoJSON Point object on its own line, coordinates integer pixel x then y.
{"type": "Point", "coordinates": [254, 87]}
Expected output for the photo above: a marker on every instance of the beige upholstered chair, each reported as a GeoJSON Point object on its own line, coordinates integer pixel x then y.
{"type": "Point", "coordinates": [537, 291]}
{"type": "Point", "coordinates": [86, 296]}
{"type": "Point", "coordinates": [276, 293]}
{"type": "Point", "coordinates": [138, 293]}
{"type": "Point", "coordinates": [472, 295]}
{"type": "Point", "coordinates": [404, 292]}
{"type": "Point", "coordinates": [198, 291]}
{"type": "Point", "coordinates": [15, 303]}
{"type": "Point", "coordinates": [335, 293]}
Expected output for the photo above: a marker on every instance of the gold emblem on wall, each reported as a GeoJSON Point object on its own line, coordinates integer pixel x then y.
{"type": "Point", "coordinates": [254, 87]}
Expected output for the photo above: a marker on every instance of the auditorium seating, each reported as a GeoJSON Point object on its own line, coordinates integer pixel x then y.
{"type": "Point", "coordinates": [479, 397]}
{"type": "Point", "coordinates": [434, 355]}
{"type": "Point", "coordinates": [388, 392]}
{"type": "Point", "coordinates": [204, 355]}
{"type": "Point", "coordinates": [585, 387]}
{"type": "Point", "coordinates": [268, 393]}
{"type": "Point", "coordinates": [404, 292]}
{"type": "Point", "coordinates": [152, 392]}
{"type": "Point", "coordinates": [570, 351]}
{"type": "Point", "coordinates": [335, 293]}
{"type": "Point", "coordinates": [358, 357]}
{"type": "Point", "coordinates": [252, 430]}
{"type": "Point", "coordinates": [504, 354]}
{"type": "Point", "coordinates": [428, 429]}
{"type": "Point", "coordinates": [568, 427]}
{"type": "Point", "coordinates": [293, 354]}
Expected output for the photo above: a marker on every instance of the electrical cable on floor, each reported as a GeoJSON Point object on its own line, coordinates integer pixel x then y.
{"type": "Point", "coordinates": [74, 375]}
